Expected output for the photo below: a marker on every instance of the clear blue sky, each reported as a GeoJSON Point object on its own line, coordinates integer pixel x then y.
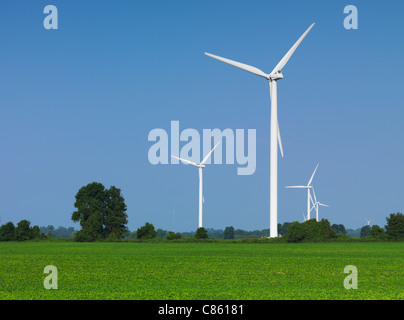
{"type": "Point", "coordinates": [77, 104]}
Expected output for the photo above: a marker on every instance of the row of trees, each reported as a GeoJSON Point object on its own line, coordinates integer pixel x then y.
{"type": "Point", "coordinates": [102, 215]}
{"type": "Point", "coordinates": [316, 231]}
{"type": "Point", "coordinates": [23, 231]}
{"type": "Point", "coordinates": [148, 232]}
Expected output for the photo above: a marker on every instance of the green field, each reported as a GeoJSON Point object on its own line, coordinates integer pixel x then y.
{"type": "Point", "coordinates": [201, 270]}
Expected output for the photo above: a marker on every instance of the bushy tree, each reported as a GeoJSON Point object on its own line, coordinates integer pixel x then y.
{"type": "Point", "coordinates": [37, 234]}
{"type": "Point", "coordinates": [395, 225]}
{"type": "Point", "coordinates": [101, 213]}
{"type": "Point", "coordinates": [201, 233]}
{"type": "Point", "coordinates": [228, 233]}
{"type": "Point", "coordinates": [23, 231]}
{"type": "Point", "coordinates": [7, 232]}
{"type": "Point", "coordinates": [378, 233]}
{"type": "Point", "coordinates": [173, 236]}
{"type": "Point", "coordinates": [116, 217]}
{"type": "Point", "coordinates": [339, 228]}
{"type": "Point", "coordinates": [50, 231]}
{"type": "Point", "coordinates": [296, 232]}
{"type": "Point", "coordinates": [146, 232]}
{"type": "Point", "coordinates": [365, 231]}
{"type": "Point", "coordinates": [161, 233]}
{"type": "Point", "coordinates": [310, 230]}
{"type": "Point", "coordinates": [283, 228]}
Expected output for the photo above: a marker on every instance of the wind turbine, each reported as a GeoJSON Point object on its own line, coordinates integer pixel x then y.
{"type": "Point", "coordinates": [368, 221]}
{"type": "Point", "coordinates": [316, 204]}
{"type": "Point", "coordinates": [275, 137]}
{"type": "Point", "coordinates": [308, 187]}
{"type": "Point", "coordinates": [200, 167]}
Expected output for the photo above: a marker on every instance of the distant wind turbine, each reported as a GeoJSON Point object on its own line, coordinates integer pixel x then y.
{"type": "Point", "coordinates": [316, 204]}
{"type": "Point", "coordinates": [308, 187]}
{"type": "Point", "coordinates": [275, 137]}
{"type": "Point", "coordinates": [367, 221]}
{"type": "Point", "coordinates": [200, 167]}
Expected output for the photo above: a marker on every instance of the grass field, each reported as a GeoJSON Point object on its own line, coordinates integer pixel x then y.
{"type": "Point", "coordinates": [201, 270]}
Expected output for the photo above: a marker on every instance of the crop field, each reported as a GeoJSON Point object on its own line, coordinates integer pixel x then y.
{"type": "Point", "coordinates": [201, 271]}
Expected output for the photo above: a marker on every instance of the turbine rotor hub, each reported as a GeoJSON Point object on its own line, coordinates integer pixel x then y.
{"type": "Point", "coordinates": [276, 76]}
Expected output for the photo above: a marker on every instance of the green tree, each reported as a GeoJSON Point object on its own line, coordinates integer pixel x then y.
{"type": "Point", "coordinates": [7, 232]}
{"type": "Point", "coordinates": [101, 213]}
{"type": "Point", "coordinates": [310, 230]}
{"type": "Point", "coordinates": [146, 232]}
{"type": "Point", "coordinates": [201, 233]}
{"type": "Point", "coordinates": [161, 233]}
{"type": "Point", "coordinates": [296, 232]}
{"type": "Point", "coordinates": [395, 225]}
{"type": "Point", "coordinates": [91, 204]}
{"type": "Point", "coordinates": [23, 231]}
{"type": "Point", "coordinates": [37, 234]}
{"type": "Point", "coordinates": [50, 232]}
{"type": "Point", "coordinates": [339, 228]}
{"type": "Point", "coordinates": [228, 233]}
{"type": "Point", "coordinates": [365, 231]}
{"type": "Point", "coordinates": [283, 228]}
{"type": "Point", "coordinates": [379, 233]}
{"type": "Point", "coordinates": [116, 217]}
{"type": "Point", "coordinates": [173, 236]}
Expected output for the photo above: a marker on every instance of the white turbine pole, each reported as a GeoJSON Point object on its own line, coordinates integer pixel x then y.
{"type": "Point", "coordinates": [200, 196]}
{"type": "Point", "coordinates": [273, 170]}
{"type": "Point", "coordinates": [308, 204]}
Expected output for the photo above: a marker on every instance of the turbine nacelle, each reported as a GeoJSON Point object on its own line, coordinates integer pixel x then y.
{"type": "Point", "coordinates": [275, 76]}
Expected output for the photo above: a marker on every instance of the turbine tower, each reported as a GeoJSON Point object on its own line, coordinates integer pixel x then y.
{"type": "Point", "coordinates": [272, 78]}
{"type": "Point", "coordinates": [200, 167]}
{"type": "Point", "coordinates": [308, 187]}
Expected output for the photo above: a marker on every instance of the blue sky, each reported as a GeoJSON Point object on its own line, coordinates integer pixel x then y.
{"type": "Point", "coordinates": [77, 105]}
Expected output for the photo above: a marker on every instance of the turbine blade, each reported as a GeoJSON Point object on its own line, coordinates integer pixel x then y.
{"type": "Point", "coordinates": [210, 152]}
{"type": "Point", "coordinates": [186, 161]}
{"type": "Point", "coordinates": [322, 204]}
{"type": "Point", "coordinates": [279, 132]}
{"type": "Point", "coordinates": [287, 56]}
{"type": "Point", "coordinates": [280, 141]}
{"type": "Point", "coordinates": [243, 66]}
{"type": "Point", "coordinates": [315, 199]}
{"type": "Point", "coordinates": [297, 187]}
{"type": "Point", "coordinates": [312, 176]}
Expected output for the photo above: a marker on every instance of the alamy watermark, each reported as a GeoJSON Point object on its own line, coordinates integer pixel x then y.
{"type": "Point", "coordinates": [51, 20]}
{"type": "Point", "coordinates": [239, 147]}
{"type": "Point", "coordinates": [351, 281]}
{"type": "Point", "coordinates": [351, 20]}
{"type": "Point", "coordinates": [51, 281]}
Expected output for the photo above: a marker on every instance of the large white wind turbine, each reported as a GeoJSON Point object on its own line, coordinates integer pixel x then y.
{"type": "Point", "coordinates": [272, 78]}
{"type": "Point", "coordinates": [200, 167]}
{"type": "Point", "coordinates": [316, 204]}
{"type": "Point", "coordinates": [308, 187]}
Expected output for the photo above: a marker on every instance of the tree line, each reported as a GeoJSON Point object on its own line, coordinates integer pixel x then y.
{"type": "Point", "coordinates": [101, 213]}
